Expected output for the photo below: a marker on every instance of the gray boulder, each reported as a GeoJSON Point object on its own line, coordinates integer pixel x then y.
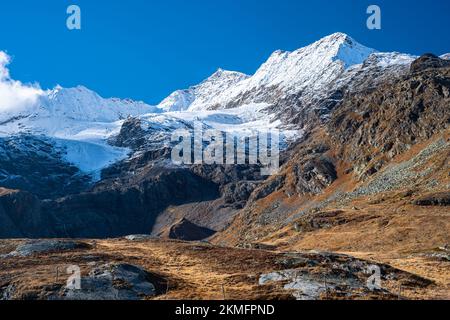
{"type": "Point", "coordinates": [113, 282]}
{"type": "Point", "coordinates": [46, 246]}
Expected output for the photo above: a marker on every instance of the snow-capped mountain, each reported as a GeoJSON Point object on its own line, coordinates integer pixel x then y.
{"type": "Point", "coordinates": [62, 105]}
{"type": "Point", "coordinates": [77, 122]}
{"type": "Point", "coordinates": [308, 79]}
{"type": "Point", "coordinates": [287, 91]}
{"type": "Point", "coordinates": [83, 104]}
{"type": "Point", "coordinates": [310, 68]}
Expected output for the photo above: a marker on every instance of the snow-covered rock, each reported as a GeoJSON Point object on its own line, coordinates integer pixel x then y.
{"type": "Point", "coordinates": [201, 94]}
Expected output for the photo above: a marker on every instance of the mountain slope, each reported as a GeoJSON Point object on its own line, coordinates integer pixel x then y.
{"type": "Point", "coordinates": [365, 169]}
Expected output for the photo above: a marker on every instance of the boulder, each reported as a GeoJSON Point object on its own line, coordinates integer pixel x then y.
{"type": "Point", "coordinates": [46, 246]}
{"type": "Point", "coordinates": [113, 282]}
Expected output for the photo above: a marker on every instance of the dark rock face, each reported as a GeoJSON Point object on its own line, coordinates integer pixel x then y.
{"type": "Point", "coordinates": [131, 134]}
{"type": "Point", "coordinates": [435, 199]}
{"type": "Point", "coordinates": [110, 212]}
{"type": "Point", "coordinates": [21, 215]}
{"type": "Point", "coordinates": [188, 231]}
{"type": "Point", "coordinates": [429, 61]}
{"type": "Point", "coordinates": [314, 175]}
{"type": "Point", "coordinates": [373, 127]}
{"type": "Point", "coordinates": [237, 194]}
{"type": "Point", "coordinates": [268, 187]}
{"type": "Point", "coordinates": [107, 211]}
{"type": "Point", "coordinates": [33, 164]}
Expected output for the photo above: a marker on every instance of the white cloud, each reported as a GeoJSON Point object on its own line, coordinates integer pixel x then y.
{"type": "Point", "coordinates": [14, 95]}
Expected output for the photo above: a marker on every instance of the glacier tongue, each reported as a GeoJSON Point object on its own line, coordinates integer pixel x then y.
{"type": "Point", "coordinates": [90, 157]}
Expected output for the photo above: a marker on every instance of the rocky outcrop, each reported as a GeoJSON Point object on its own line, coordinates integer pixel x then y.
{"type": "Point", "coordinates": [236, 194]}
{"type": "Point", "coordinates": [36, 247]}
{"type": "Point", "coordinates": [319, 220]}
{"type": "Point", "coordinates": [434, 199]}
{"type": "Point", "coordinates": [21, 215]}
{"type": "Point", "coordinates": [188, 231]}
{"type": "Point", "coordinates": [272, 185]}
{"type": "Point", "coordinates": [113, 282]}
{"type": "Point", "coordinates": [349, 275]}
{"type": "Point", "coordinates": [139, 237]}
{"type": "Point", "coordinates": [131, 134]}
{"type": "Point", "coordinates": [315, 175]}
{"type": "Point", "coordinates": [372, 127]}
{"type": "Point", "coordinates": [429, 61]}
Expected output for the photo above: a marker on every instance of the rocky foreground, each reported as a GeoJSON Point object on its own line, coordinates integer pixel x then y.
{"type": "Point", "coordinates": [141, 267]}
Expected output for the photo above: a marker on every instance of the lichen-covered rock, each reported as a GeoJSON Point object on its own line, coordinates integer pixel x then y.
{"type": "Point", "coordinates": [46, 246]}
{"type": "Point", "coordinates": [113, 282]}
{"type": "Point", "coordinates": [140, 237]}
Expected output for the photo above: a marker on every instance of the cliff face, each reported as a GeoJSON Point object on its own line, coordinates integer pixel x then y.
{"type": "Point", "coordinates": [373, 127]}
{"type": "Point", "coordinates": [21, 215]}
{"type": "Point", "coordinates": [104, 212]}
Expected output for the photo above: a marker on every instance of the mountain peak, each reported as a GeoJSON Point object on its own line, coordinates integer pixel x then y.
{"type": "Point", "coordinates": [199, 95]}
{"type": "Point", "coordinates": [225, 74]}
{"type": "Point", "coordinates": [339, 37]}
{"type": "Point", "coordinates": [341, 47]}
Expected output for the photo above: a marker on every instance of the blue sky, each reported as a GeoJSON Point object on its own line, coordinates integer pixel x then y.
{"type": "Point", "coordinates": [145, 49]}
